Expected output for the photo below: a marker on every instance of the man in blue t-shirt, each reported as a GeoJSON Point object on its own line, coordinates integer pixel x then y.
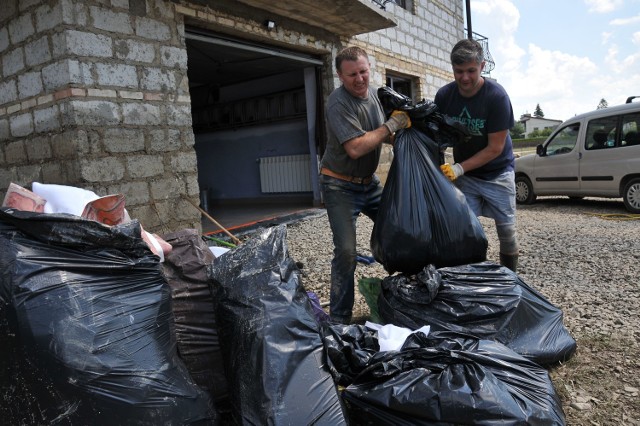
{"type": "Point", "coordinates": [356, 131]}
{"type": "Point", "coordinates": [484, 165]}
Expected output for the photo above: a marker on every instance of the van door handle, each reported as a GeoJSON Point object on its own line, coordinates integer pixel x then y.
{"type": "Point", "coordinates": [580, 156]}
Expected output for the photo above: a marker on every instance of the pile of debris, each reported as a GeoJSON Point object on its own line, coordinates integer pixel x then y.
{"type": "Point", "coordinates": [102, 322]}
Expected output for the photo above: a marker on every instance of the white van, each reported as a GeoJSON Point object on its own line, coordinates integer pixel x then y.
{"type": "Point", "coordinates": [596, 154]}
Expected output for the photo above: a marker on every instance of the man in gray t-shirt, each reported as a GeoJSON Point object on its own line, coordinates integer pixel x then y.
{"type": "Point", "coordinates": [356, 131]}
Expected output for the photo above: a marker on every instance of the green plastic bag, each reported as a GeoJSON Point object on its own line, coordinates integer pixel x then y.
{"type": "Point", "coordinates": [370, 289]}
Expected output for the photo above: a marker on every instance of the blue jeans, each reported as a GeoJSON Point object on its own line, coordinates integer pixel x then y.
{"type": "Point", "coordinates": [344, 202]}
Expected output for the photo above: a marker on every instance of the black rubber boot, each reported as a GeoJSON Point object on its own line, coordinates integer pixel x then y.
{"type": "Point", "coordinates": [509, 260]}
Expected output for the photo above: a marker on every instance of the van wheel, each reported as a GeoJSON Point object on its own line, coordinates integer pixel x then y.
{"type": "Point", "coordinates": [524, 191]}
{"type": "Point", "coordinates": [631, 195]}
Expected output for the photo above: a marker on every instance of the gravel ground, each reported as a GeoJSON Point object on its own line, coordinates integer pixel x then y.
{"type": "Point", "coordinates": [585, 263]}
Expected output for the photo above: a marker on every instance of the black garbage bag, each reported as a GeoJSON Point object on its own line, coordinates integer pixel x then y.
{"type": "Point", "coordinates": [270, 339]}
{"type": "Point", "coordinates": [392, 100]}
{"type": "Point", "coordinates": [484, 300]}
{"type": "Point", "coordinates": [444, 378]}
{"type": "Point", "coordinates": [426, 117]}
{"type": "Point", "coordinates": [92, 311]}
{"type": "Point", "coordinates": [423, 218]}
{"type": "Point", "coordinates": [28, 394]}
{"type": "Point", "coordinates": [186, 271]}
{"type": "Point", "coordinates": [420, 288]}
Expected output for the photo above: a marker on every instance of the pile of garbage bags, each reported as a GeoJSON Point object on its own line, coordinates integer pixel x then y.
{"type": "Point", "coordinates": [94, 328]}
{"type": "Point", "coordinates": [88, 311]}
{"type": "Point", "coordinates": [440, 378]}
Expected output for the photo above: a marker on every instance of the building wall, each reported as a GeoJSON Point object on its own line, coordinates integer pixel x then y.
{"type": "Point", "coordinates": [94, 93]}
{"type": "Point", "coordinates": [532, 123]}
{"type": "Point", "coordinates": [419, 46]}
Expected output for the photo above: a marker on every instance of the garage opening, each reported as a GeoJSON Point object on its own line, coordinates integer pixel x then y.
{"type": "Point", "coordinates": [255, 113]}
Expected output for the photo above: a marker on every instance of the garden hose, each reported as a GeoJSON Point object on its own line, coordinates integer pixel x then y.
{"type": "Point", "coordinates": [616, 216]}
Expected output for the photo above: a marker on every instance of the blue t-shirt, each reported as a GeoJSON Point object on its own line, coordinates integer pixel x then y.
{"type": "Point", "coordinates": [488, 111]}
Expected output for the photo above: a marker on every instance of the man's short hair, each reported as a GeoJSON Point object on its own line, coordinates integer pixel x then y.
{"type": "Point", "coordinates": [467, 50]}
{"type": "Point", "coordinates": [351, 53]}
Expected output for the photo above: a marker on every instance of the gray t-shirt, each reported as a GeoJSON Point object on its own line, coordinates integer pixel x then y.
{"type": "Point", "coordinates": [350, 117]}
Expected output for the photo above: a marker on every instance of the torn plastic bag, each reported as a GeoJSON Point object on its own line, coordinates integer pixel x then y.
{"type": "Point", "coordinates": [269, 337]}
{"type": "Point", "coordinates": [93, 310]}
{"type": "Point", "coordinates": [186, 270]}
{"type": "Point", "coordinates": [484, 300]}
{"type": "Point", "coordinates": [443, 378]}
{"type": "Point", "coordinates": [423, 218]}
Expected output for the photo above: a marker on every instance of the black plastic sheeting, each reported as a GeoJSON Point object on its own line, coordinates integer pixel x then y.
{"type": "Point", "coordinates": [441, 379]}
{"type": "Point", "coordinates": [90, 306]}
{"type": "Point", "coordinates": [484, 300]}
{"type": "Point", "coordinates": [423, 218]}
{"type": "Point", "coordinates": [270, 339]}
{"type": "Point", "coordinates": [186, 271]}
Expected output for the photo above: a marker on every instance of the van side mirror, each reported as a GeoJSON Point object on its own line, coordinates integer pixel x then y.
{"type": "Point", "coordinates": [540, 150]}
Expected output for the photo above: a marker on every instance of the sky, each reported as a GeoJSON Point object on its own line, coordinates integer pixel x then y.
{"type": "Point", "coordinates": [564, 55]}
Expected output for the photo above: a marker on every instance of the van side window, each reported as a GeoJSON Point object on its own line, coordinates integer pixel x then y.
{"type": "Point", "coordinates": [631, 129]}
{"type": "Point", "coordinates": [564, 141]}
{"type": "Point", "coordinates": [601, 133]}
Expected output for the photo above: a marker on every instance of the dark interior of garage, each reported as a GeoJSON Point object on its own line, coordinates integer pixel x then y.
{"type": "Point", "coordinates": [254, 109]}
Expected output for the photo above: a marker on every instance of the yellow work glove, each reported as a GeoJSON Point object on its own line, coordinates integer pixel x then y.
{"type": "Point", "coordinates": [398, 120]}
{"type": "Point", "coordinates": [452, 171]}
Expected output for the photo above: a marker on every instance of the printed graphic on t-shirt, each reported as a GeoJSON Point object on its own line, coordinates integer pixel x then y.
{"type": "Point", "coordinates": [475, 125]}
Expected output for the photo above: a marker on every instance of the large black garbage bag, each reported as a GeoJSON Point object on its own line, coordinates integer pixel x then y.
{"type": "Point", "coordinates": [29, 396]}
{"type": "Point", "coordinates": [423, 218]}
{"type": "Point", "coordinates": [92, 309]}
{"type": "Point", "coordinates": [269, 337]}
{"type": "Point", "coordinates": [186, 270]}
{"type": "Point", "coordinates": [483, 300]}
{"type": "Point", "coordinates": [444, 378]}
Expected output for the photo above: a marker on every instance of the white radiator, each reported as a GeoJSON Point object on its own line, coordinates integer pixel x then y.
{"type": "Point", "coordinates": [290, 173]}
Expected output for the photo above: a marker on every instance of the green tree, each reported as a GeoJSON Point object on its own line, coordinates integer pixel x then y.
{"type": "Point", "coordinates": [546, 131]}
{"type": "Point", "coordinates": [603, 104]}
{"type": "Point", "coordinates": [538, 112]}
{"type": "Point", "coordinates": [517, 131]}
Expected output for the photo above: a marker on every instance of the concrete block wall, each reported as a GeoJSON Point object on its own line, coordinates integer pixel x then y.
{"type": "Point", "coordinates": [94, 94]}
{"type": "Point", "coordinates": [419, 46]}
